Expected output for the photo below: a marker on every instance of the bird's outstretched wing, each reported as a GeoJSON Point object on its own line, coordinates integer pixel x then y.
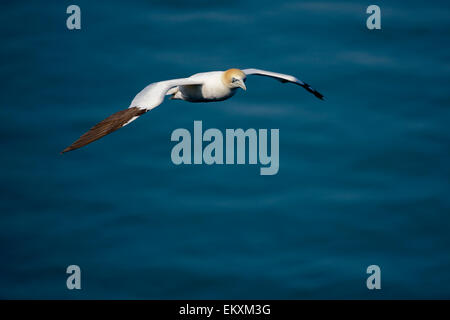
{"type": "Point", "coordinates": [150, 97]}
{"type": "Point", "coordinates": [283, 78]}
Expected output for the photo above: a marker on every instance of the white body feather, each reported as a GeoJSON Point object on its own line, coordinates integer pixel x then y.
{"type": "Point", "coordinates": [213, 88]}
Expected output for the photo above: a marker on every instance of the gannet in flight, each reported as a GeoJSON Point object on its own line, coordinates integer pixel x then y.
{"type": "Point", "coordinates": [200, 87]}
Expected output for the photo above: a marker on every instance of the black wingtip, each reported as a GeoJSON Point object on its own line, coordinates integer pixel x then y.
{"type": "Point", "coordinates": [313, 91]}
{"type": "Point", "coordinates": [319, 95]}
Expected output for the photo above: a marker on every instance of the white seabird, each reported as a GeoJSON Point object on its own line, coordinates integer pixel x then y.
{"type": "Point", "coordinates": [200, 87]}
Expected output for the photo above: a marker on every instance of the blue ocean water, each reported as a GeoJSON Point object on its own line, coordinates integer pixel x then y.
{"type": "Point", "coordinates": [363, 179]}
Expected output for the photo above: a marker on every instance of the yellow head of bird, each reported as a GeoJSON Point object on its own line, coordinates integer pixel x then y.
{"type": "Point", "coordinates": [235, 78]}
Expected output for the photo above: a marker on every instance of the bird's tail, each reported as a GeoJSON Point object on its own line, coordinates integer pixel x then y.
{"type": "Point", "coordinates": [110, 124]}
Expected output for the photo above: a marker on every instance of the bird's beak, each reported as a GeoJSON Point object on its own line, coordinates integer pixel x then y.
{"type": "Point", "coordinates": [241, 84]}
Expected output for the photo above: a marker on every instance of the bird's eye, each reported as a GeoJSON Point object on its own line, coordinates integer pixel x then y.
{"type": "Point", "coordinates": [234, 80]}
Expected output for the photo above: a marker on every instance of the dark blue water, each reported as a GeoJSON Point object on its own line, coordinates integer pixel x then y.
{"type": "Point", "coordinates": [363, 179]}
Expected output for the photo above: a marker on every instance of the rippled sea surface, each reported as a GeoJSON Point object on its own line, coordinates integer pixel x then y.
{"type": "Point", "coordinates": [364, 175]}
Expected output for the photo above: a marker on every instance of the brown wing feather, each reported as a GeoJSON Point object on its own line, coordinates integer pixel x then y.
{"type": "Point", "coordinates": [110, 124]}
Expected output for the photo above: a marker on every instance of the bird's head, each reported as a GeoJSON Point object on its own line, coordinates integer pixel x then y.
{"type": "Point", "coordinates": [235, 78]}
